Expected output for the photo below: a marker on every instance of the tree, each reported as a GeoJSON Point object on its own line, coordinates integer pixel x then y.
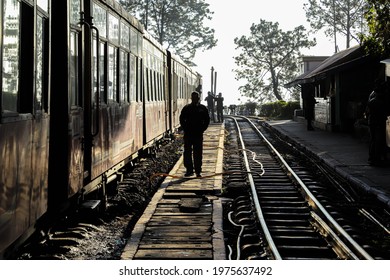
{"type": "Point", "coordinates": [176, 24]}
{"type": "Point", "coordinates": [378, 17]}
{"type": "Point", "coordinates": [268, 59]}
{"type": "Point", "coordinates": [337, 16]}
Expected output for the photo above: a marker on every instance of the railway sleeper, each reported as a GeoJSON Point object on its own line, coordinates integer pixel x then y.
{"type": "Point", "coordinates": [284, 192]}
{"type": "Point", "coordinates": [250, 250]}
{"type": "Point", "coordinates": [307, 251]}
{"type": "Point", "coordinates": [290, 222]}
{"type": "Point", "coordinates": [260, 186]}
{"type": "Point", "coordinates": [273, 180]}
{"type": "Point", "coordinates": [286, 216]}
{"type": "Point", "coordinates": [294, 232]}
{"type": "Point", "coordinates": [302, 240]}
{"type": "Point", "coordinates": [285, 209]}
{"type": "Point", "coordinates": [271, 203]}
{"type": "Point", "coordinates": [280, 199]}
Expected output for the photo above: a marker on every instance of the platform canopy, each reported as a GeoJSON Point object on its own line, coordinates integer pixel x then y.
{"type": "Point", "coordinates": [337, 62]}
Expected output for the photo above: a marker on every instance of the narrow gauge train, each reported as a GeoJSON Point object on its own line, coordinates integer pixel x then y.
{"type": "Point", "coordinates": [85, 89]}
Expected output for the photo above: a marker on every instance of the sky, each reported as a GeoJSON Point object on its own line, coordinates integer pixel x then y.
{"type": "Point", "coordinates": [232, 19]}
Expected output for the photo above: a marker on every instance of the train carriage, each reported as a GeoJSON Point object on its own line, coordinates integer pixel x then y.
{"type": "Point", "coordinates": [84, 89]}
{"type": "Point", "coordinates": [103, 88]}
{"type": "Point", "coordinates": [24, 120]}
{"type": "Point", "coordinates": [156, 106]}
{"type": "Point", "coordinates": [182, 82]}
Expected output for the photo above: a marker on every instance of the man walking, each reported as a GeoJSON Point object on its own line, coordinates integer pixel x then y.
{"type": "Point", "coordinates": [219, 100]}
{"type": "Point", "coordinates": [194, 119]}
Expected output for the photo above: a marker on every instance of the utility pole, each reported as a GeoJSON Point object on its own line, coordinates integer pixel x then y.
{"type": "Point", "coordinates": [212, 79]}
{"type": "Point", "coordinates": [334, 27]}
{"type": "Point", "coordinates": [215, 83]}
{"type": "Point", "coordinates": [212, 94]}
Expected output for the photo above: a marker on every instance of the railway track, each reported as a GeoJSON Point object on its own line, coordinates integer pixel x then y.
{"type": "Point", "coordinates": [294, 219]}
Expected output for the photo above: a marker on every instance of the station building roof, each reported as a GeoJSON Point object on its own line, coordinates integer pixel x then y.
{"type": "Point", "coordinates": [339, 61]}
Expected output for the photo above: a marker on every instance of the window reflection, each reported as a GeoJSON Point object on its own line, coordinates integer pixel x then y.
{"type": "Point", "coordinates": [125, 36]}
{"type": "Point", "coordinates": [11, 34]}
{"type": "Point", "coordinates": [74, 11]}
{"type": "Point", "coordinates": [123, 76]}
{"type": "Point", "coordinates": [113, 35]}
{"type": "Point", "coordinates": [73, 69]}
{"type": "Point", "coordinates": [100, 20]}
{"type": "Point", "coordinates": [112, 74]}
{"type": "Point", "coordinates": [133, 78]}
{"type": "Point", "coordinates": [43, 4]}
{"type": "Point", "coordinates": [101, 71]}
{"type": "Point", "coordinates": [39, 62]}
{"type": "Point", "coordinates": [133, 41]}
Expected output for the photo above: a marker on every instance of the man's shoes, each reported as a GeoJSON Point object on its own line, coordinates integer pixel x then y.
{"type": "Point", "coordinates": [188, 174]}
{"type": "Point", "coordinates": [198, 175]}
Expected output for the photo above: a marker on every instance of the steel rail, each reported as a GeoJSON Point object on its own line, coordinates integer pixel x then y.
{"type": "Point", "coordinates": [260, 216]}
{"type": "Point", "coordinates": [316, 204]}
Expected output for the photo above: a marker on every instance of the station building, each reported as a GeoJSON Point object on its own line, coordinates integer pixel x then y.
{"type": "Point", "coordinates": [341, 84]}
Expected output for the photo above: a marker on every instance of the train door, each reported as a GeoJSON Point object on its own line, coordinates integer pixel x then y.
{"type": "Point", "coordinates": [66, 104]}
{"type": "Point", "coordinates": [95, 158]}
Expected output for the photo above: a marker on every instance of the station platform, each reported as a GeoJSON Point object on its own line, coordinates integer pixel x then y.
{"type": "Point", "coordinates": [184, 218]}
{"type": "Point", "coordinates": [343, 152]}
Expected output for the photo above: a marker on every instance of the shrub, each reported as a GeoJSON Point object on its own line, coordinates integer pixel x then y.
{"type": "Point", "coordinates": [279, 109]}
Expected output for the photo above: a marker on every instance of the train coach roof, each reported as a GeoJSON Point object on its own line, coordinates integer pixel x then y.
{"type": "Point", "coordinates": [178, 59]}
{"type": "Point", "coordinates": [118, 8]}
{"type": "Point", "coordinates": [152, 40]}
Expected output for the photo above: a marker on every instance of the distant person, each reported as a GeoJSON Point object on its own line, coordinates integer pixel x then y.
{"type": "Point", "coordinates": [194, 119]}
{"type": "Point", "coordinates": [232, 109]}
{"type": "Point", "coordinates": [219, 100]}
{"type": "Point", "coordinates": [377, 115]}
{"type": "Point", "coordinates": [210, 105]}
{"type": "Point", "coordinates": [308, 106]}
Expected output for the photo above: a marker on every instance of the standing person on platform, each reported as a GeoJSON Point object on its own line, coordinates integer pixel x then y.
{"type": "Point", "coordinates": [194, 119]}
{"type": "Point", "coordinates": [308, 105]}
{"type": "Point", "coordinates": [219, 100]}
{"type": "Point", "coordinates": [210, 105]}
{"type": "Point", "coordinates": [377, 115]}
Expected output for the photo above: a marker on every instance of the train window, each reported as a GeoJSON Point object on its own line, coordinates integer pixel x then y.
{"type": "Point", "coordinates": [10, 54]}
{"type": "Point", "coordinates": [125, 35]}
{"type": "Point", "coordinates": [75, 8]}
{"type": "Point", "coordinates": [174, 93]}
{"type": "Point", "coordinates": [103, 74]}
{"type": "Point", "coordinates": [113, 23]}
{"type": "Point", "coordinates": [100, 20]}
{"type": "Point", "coordinates": [140, 96]}
{"type": "Point", "coordinates": [182, 87]}
{"type": "Point", "coordinates": [112, 74]}
{"type": "Point", "coordinates": [123, 72]}
{"type": "Point", "coordinates": [101, 71]}
{"type": "Point", "coordinates": [40, 65]}
{"type": "Point", "coordinates": [158, 85]}
{"type": "Point", "coordinates": [43, 4]}
{"type": "Point", "coordinates": [146, 85]}
{"type": "Point", "coordinates": [133, 78]}
{"type": "Point", "coordinates": [155, 87]}
{"type": "Point", "coordinates": [133, 41]}
{"type": "Point", "coordinates": [151, 91]}
{"type": "Point", "coordinates": [140, 44]}
{"type": "Point", "coordinates": [163, 87]}
{"type": "Point", "coordinates": [73, 65]}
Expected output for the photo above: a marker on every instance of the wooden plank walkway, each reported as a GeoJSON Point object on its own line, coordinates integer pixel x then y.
{"type": "Point", "coordinates": [184, 218]}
